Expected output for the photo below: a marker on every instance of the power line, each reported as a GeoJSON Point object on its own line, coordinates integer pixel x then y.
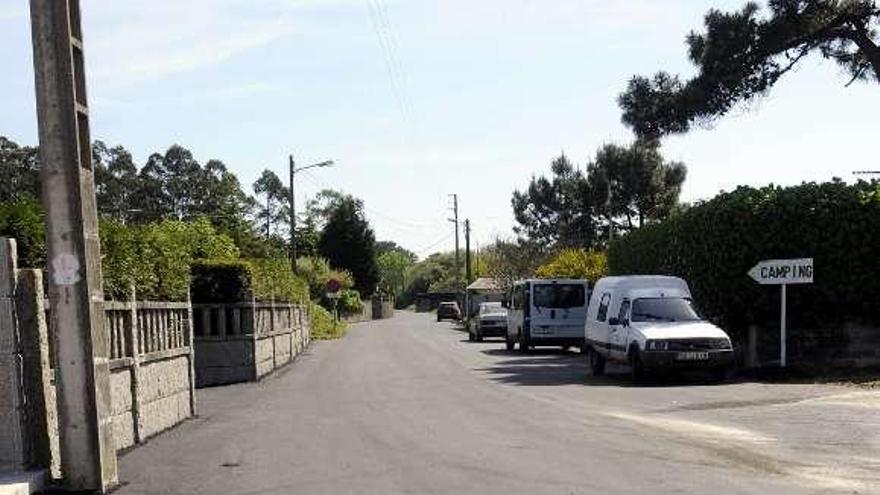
{"type": "Point", "coordinates": [402, 224]}
{"type": "Point", "coordinates": [390, 60]}
{"type": "Point", "coordinates": [435, 244]}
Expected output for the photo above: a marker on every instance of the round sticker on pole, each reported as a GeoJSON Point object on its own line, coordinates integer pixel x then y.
{"type": "Point", "coordinates": [333, 287]}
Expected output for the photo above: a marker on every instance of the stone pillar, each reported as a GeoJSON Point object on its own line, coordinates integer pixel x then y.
{"type": "Point", "coordinates": [42, 414]}
{"type": "Point", "coordinates": [132, 338]}
{"type": "Point", "coordinates": [88, 453]}
{"type": "Point", "coordinates": [12, 436]}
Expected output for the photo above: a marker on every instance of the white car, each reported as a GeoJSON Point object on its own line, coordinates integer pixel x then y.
{"type": "Point", "coordinates": [491, 321]}
{"type": "Point", "coordinates": [649, 322]}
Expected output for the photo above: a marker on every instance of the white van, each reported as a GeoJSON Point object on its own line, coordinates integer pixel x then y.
{"type": "Point", "coordinates": [650, 323]}
{"type": "Point", "coordinates": [546, 312]}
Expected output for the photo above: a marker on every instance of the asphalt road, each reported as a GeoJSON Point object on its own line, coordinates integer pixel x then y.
{"type": "Point", "coordinates": [409, 406]}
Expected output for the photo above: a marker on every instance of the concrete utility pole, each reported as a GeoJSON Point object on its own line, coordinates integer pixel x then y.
{"type": "Point", "coordinates": [293, 171]}
{"type": "Point", "coordinates": [88, 453]}
{"type": "Point", "coordinates": [455, 221]}
{"type": "Point", "coordinates": [467, 251]}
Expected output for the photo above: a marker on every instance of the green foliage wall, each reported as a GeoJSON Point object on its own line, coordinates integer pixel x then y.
{"type": "Point", "coordinates": [714, 244]}
{"type": "Point", "coordinates": [157, 257]}
{"type": "Point", "coordinates": [23, 220]}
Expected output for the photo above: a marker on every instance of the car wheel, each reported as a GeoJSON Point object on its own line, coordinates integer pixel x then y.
{"type": "Point", "coordinates": [508, 342]}
{"type": "Point", "coordinates": [637, 368]}
{"type": "Point", "coordinates": [597, 362]}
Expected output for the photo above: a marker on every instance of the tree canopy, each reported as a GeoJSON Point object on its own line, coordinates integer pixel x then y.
{"type": "Point", "coordinates": [742, 54]}
{"type": "Point", "coordinates": [623, 188]}
{"type": "Point", "coordinates": [347, 241]}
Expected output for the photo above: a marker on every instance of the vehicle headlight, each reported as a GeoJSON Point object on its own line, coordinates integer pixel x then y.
{"type": "Point", "coordinates": [656, 345]}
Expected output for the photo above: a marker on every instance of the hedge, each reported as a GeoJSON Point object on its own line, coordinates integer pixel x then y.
{"type": "Point", "coordinates": [236, 281]}
{"type": "Point", "coordinates": [714, 244]}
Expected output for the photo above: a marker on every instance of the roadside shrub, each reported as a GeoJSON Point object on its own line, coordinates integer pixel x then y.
{"type": "Point", "coordinates": [575, 263]}
{"type": "Point", "coordinates": [317, 272]}
{"type": "Point", "coordinates": [157, 257]}
{"type": "Point", "coordinates": [24, 220]}
{"type": "Point", "coordinates": [350, 302]}
{"type": "Point", "coordinates": [323, 326]}
{"type": "Point", "coordinates": [713, 245]}
{"type": "Point", "coordinates": [273, 279]}
{"type": "Point", "coordinates": [221, 281]}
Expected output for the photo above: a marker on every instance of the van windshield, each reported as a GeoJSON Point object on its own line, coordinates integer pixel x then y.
{"type": "Point", "coordinates": [559, 296]}
{"type": "Point", "coordinates": [664, 309]}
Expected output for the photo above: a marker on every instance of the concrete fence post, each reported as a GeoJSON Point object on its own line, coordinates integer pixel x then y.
{"type": "Point", "coordinates": [12, 410]}
{"type": "Point", "coordinates": [132, 337]}
{"type": "Point", "coordinates": [189, 340]}
{"type": "Point", "coordinates": [42, 416]}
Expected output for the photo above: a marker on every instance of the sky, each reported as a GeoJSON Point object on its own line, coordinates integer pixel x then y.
{"type": "Point", "coordinates": [415, 100]}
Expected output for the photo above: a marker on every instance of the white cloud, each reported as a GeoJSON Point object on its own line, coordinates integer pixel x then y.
{"type": "Point", "coordinates": [135, 41]}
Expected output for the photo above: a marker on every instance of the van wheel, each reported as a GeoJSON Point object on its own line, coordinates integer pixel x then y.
{"type": "Point", "coordinates": [637, 368]}
{"type": "Point", "coordinates": [597, 362]}
{"type": "Point", "coordinates": [508, 343]}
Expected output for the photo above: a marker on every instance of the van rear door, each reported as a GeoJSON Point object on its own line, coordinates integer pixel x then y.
{"type": "Point", "coordinates": [558, 309]}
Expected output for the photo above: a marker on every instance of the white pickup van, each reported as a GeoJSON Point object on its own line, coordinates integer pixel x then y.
{"type": "Point", "coordinates": [546, 312]}
{"type": "Point", "coordinates": [650, 323]}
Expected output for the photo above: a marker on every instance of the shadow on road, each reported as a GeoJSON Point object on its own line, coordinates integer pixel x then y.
{"type": "Point", "coordinates": [550, 367]}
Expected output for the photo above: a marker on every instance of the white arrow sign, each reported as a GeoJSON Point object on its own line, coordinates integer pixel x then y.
{"type": "Point", "coordinates": [783, 272]}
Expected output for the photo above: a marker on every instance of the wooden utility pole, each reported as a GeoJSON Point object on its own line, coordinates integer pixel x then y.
{"type": "Point", "coordinates": [88, 453]}
{"type": "Point", "coordinates": [467, 252]}
{"type": "Point", "coordinates": [292, 218]}
{"type": "Point", "coordinates": [455, 221]}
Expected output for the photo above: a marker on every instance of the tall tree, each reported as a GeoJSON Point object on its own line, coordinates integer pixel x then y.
{"type": "Point", "coordinates": [634, 184]}
{"type": "Point", "coordinates": [742, 54]}
{"type": "Point", "coordinates": [116, 181]}
{"type": "Point", "coordinates": [19, 171]}
{"type": "Point", "coordinates": [556, 211]}
{"type": "Point", "coordinates": [348, 243]}
{"type": "Point", "coordinates": [274, 210]}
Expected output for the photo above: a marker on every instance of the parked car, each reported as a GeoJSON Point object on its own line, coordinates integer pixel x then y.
{"type": "Point", "coordinates": [491, 321]}
{"type": "Point", "coordinates": [547, 312]}
{"type": "Point", "coordinates": [651, 324]}
{"type": "Point", "coordinates": [448, 311]}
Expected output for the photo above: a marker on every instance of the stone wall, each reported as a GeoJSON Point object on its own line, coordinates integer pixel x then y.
{"type": "Point", "coordinates": [848, 345]}
{"type": "Point", "coordinates": [248, 341]}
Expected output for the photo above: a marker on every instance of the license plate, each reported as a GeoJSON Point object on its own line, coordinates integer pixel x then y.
{"type": "Point", "coordinates": [692, 356]}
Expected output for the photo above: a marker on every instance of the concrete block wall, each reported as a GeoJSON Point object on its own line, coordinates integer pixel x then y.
{"type": "Point", "coordinates": [248, 341]}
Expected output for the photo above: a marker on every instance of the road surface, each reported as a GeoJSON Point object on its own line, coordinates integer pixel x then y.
{"type": "Point", "coordinates": [409, 406]}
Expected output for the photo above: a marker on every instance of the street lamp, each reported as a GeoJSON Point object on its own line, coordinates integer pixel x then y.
{"type": "Point", "coordinates": [293, 172]}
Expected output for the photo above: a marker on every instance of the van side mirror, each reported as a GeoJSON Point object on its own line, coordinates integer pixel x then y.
{"type": "Point", "coordinates": [613, 321]}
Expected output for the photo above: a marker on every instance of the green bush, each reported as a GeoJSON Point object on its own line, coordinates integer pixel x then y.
{"type": "Point", "coordinates": [274, 281]}
{"type": "Point", "coordinates": [24, 220]}
{"type": "Point", "coordinates": [221, 281]}
{"type": "Point", "coordinates": [323, 325]}
{"type": "Point", "coordinates": [156, 258]}
{"type": "Point", "coordinates": [349, 302]}
{"type": "Point", "coordinates": [713, 245]}
{"type": "Point", "coordinates": [237, 281]}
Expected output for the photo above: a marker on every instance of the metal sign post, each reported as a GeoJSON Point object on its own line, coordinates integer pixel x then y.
{"type": "Point", "coordinates": [783, 273]}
